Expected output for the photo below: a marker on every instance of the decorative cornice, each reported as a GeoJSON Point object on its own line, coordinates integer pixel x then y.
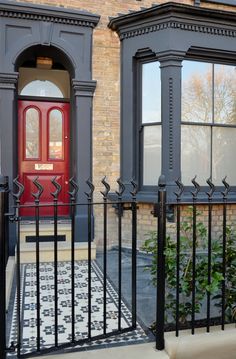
{"type": "Point", "coordinates": [60, 15]}
{"type": "Point", "coordinates": [8, 81]}
{"type": "Point", "coordinates": [180, 26]}
{"type": "Point", "coordinates": [175, 16]}
{"type": "Point", "coordinates": [84, 88]}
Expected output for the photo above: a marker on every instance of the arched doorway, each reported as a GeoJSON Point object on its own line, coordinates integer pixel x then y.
{"type": "Point", "coordinates": [43, 131]}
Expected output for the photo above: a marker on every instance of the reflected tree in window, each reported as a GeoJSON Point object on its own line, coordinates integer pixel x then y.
{"type": "Point", "coordinates": [208, 104]}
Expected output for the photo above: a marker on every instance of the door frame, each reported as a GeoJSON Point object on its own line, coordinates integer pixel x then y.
{"type": "Point", "coordinates": [30, 30]}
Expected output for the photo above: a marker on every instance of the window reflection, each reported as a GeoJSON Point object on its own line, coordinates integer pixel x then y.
{"type": "Point", "coordinates": [209, 99]}
{"type": "Point", "coordinates": [55, 135]}
{"type": "Point", "coordinates": [31, 133]}
{"type": "Point", "coordinates": [152, 155]}
{"type": "Point", "coordinates": [196, 92]}
{"type": "Point", "coordinates": [225, 94]}
{"type": "Point", "coordinates": [223, 152]}
{"type": "Point", "coordinates": [151, 92]}
{"type": "Point", "coordinates": [195, 154]}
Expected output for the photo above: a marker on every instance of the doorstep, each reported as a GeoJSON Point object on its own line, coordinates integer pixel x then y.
{"type": "Point", "coordinates": [46, 251]}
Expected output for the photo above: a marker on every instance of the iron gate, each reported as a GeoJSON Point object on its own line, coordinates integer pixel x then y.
{"type": "Point", "coordinates": [90, 271]}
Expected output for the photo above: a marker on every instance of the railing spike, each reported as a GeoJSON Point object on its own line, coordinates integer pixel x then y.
{"type": "Point", "coordinates": [121, 188]}
{"type": "Point", "coordinates": [197, 187]}
{"type": "Point", "coordinates": [212, 188]}
{"type": "Point", "coordinates": [135, 188]}
{"type": "Point", "coordinates": [107, 187]}
{"type": "Point", "coordinates": [20, 187]}
{"type": "Point", "coordinates": [58, 187]}
{"type": "Point", "coordinates": [227, 188]}
{"type": "Point", "coordinates": [37, 195]}
{"type": "Point", "coordinates": [75, 187]}
{"type": "Point", "coordinates": [92, 188]}
{"type": "Point", "coordinates": [181, 188]}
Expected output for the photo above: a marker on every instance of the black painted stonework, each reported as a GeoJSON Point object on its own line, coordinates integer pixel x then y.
{"type": "Point", "coordinates": [171, 32]}
{"type": "Point", "coordinates": [63, 34]}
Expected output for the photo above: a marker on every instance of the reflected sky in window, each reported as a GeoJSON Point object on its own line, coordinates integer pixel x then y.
{"type": "Point", "coordinates": [151, 92]}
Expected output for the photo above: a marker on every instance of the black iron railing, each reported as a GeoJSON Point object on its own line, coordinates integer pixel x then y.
{"type": "Point", "coordinates": [208, 250]}
{"type": "Point", "coordinates": [37, 206]}
{"type": "Point", "coordinates": [213, 263]}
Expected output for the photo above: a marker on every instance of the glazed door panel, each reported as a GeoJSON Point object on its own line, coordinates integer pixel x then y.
{"type": "Point", "coordinates": [43, 143]}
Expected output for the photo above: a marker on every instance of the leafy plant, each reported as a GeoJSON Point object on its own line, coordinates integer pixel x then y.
{"type": "Point", "coordinates": [201, 269]}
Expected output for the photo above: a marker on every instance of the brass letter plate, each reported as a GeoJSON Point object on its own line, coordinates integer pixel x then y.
{"type": "Point", "coordinates": [43, 166]}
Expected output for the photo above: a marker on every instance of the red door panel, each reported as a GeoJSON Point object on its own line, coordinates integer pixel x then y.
{"type": "Point", "coordinates": [43, 143]}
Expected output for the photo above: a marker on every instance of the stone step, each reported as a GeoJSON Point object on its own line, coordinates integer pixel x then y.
{"type": "Point", "coordinates": [45, 229]}
{"type": "Point", "coordinates": [28, 251]}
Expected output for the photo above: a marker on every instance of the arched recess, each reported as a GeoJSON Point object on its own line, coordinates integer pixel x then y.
{"type": "Point", "coordinates": [65, 36]}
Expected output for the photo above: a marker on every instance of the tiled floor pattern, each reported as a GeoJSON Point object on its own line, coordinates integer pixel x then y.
{"type": "Point", "coordinates": [28, 295]}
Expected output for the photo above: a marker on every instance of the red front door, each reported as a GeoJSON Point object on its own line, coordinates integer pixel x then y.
{"type": "Point", "coordinates": [43, 143]}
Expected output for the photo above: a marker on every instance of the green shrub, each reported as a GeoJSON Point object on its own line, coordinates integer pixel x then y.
{"type": "Point", "coordinates": [201, 267]}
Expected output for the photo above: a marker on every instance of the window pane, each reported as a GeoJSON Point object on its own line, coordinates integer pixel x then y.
{"type": "Point", "coordinates": [151, 92]}
{"type": "Point", "coordinates": [195, 153]}
{"type": "Point", "coordinates": [55, 135]}
{"type": "Point", "coordinates": [32, 133]}
{"type": "Point", "coordinates": [196, 92]}
{"type": "Point", "coordinates": [42, 88]}
{"type": "Point", "coordinates": [225, 94]}
{"type": "Point", "coordinates": [151, 155]}
{"type": "Point", "coordinates": [223, 155]}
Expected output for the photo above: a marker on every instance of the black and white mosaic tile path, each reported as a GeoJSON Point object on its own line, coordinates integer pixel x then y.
{"type": "Point", "coordinates": [28, 294]}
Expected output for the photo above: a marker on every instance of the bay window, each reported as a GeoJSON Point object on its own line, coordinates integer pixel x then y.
{"type": "Point", "coordinates": [178, 97]}
{"type": "Point", "coordinates": [208, 131]}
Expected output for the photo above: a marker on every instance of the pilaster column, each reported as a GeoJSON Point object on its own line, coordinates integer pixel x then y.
{"type": "Point", "coordinates": [171, 64]}
{"type": "Point", "coordinates": [8, 137]}
{"type": "Point", "coordinates": [82, 136]}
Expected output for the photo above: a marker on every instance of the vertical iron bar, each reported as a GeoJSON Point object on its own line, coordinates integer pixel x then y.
{"type": "Point", "coordinates": [89, 210]}
{"type": "Point", "coordinates": [119, 260]}
{"type": "Point", "coordinates": [17, 197]}
{"type": "Point", "coordinates": [223, 263]}
{"type": "Point", "coordinates": [55, 215]}
{"type": "Point", "coordinates": [194, 243]}
{"type": "Point", "coordinates": [194, 267]}
{"type": "Point", "coordinates": [72, 206]}
{"type": "Point", "coordinates": [89, 266]}
{"type": "Point", "coordinates": [177, 267]}
{"type": "Point", "coordinates": [161, 237]}
{"type": "Point", "coordinates": [209, 263]}
{"type": "Point", "coordinates": [105, 194]}
{"type": "Point", "coordinates": [3, 241]}
{"type": "Point", "coordinates": [72, 195]}
{"type": "Point", "coordinates": [18, 274]}
{"type": "Point", "coordinates": [37, 272]}
{"type": "Point", "coordinates": [134, 262]}
{"type": "Point", "coordinates": [104, 264]}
